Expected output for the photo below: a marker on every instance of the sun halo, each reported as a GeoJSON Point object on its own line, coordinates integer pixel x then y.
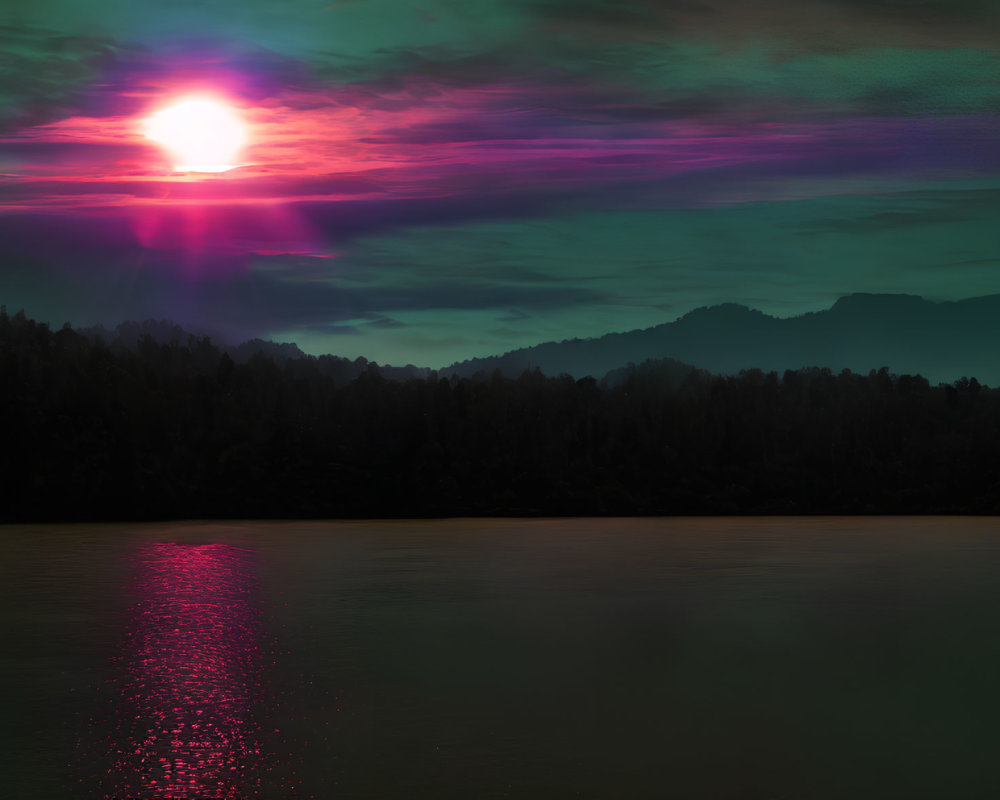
{"type": "Point", "coordinates": [200, 133]}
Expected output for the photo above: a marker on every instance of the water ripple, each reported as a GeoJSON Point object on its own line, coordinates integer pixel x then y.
{"type": "Point", "coordinates": [191, 678]}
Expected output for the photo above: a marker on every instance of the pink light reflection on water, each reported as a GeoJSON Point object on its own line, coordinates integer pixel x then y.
{"type": "Point", "coordinates": [192, 678]}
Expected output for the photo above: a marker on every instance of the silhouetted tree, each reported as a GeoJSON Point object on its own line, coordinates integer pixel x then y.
{"type": "Point", "coordinates": [168, 429]}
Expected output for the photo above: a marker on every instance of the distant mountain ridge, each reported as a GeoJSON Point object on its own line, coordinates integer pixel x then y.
{"type": "Point", "coordinates": [129, 334]}
{"type": "Point", "coordinates": [943, 341]}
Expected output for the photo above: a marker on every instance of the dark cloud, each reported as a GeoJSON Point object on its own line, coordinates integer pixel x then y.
{"type": "Point", "coordinates": [331, 329]}
{"type": "Point", "coordinates": [44, 74]}
{"type": "Point", "coordinates": [822, 25]}
{"type": "Point", "coordinates": [333, 186]}
{"type": "Point", "coordinates": [236, 68]}
{"type": "Point", "coordinates": [64, 153]}
{"type": "Point", "coordinates": [960, 9]}
{"type": "Point", "coordinates": [385, 323]}
{"type": "Point", "coordinates": [346, 221]}
{"type": "Point", "coordinates": [887, 221]}
{"type": "Point", "coordinates": [514, 315]}
{"type": "Point", "coordinates": [925, 209]}
{"type": "Point", "coordinates": [64, 240]}
{"type": "Point", "coordinates": [164, 231]}
{"type": "Point", "coordinates": [378, 323]}
{"type": "Point", "coordinates": [101, 269]}
{"type": "Point", "coordinates": [265, 303]}
{"type": "Point", "coordinates": [447, 65]}
{"type": "Point", "coordinates": [617, 16]}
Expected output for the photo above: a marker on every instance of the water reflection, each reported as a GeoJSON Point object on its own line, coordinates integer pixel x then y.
{"type": "Point", "coordinates": [192, 677]}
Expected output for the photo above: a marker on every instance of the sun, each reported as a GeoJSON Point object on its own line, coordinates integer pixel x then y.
{"type": "Point", "coordinates": [202, 134]}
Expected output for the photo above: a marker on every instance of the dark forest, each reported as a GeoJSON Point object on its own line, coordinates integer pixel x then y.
{"type": "Point", "coordinates": [93, 431]}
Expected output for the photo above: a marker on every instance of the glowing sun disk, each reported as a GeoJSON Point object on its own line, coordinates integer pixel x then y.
{"type": "Point", "coordinates": [202, 135]}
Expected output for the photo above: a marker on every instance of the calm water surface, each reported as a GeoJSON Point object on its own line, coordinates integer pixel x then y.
{"type": "Point", "coordinates": [770, 659]}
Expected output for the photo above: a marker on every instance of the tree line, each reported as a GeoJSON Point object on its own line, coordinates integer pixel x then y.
{"type": "Point", "coordinates": [173, 430]}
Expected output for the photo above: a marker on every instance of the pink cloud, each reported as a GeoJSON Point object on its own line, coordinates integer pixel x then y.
{"type": "Point", "coordinates": [361, 151]}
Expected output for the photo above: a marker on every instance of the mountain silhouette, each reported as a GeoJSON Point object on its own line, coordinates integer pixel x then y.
{"type": "Point", "coordinates": [942, 341]}
{"type": "Point", "coordinates": [130, 335]}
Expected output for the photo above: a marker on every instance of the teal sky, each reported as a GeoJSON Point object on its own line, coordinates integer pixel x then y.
{"type": "Point", "coordinates": [435, 181]}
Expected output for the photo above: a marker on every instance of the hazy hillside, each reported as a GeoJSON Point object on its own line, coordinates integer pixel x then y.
{"type": "Point", "coordinates": [942, 341]}
{"type": "Point", "coordinates": [131, 335]}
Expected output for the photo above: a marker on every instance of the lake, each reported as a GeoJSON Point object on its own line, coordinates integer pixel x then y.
{"type": "Point", "coordinates": [764, 658]}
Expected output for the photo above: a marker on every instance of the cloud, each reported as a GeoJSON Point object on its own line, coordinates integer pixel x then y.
{"type": "Point", "coordinates": [451, 134]}
{"type": "Point", "coordinates": [44, 73]}
{"type": "Point", "coordinates": [514, 315]}
{"type": "Point", "coordinates": [331, 329]}
{"type": "Point", "coordinates": [385, 323]}
{"type": "Point", "coordinates": [917, 210]}
{"type": "Point", "coordinates": [824, 24]}
{"type": "Point", "coordinates": [138, 75]}
{"type": "Point", "coordinates": [108, 269]}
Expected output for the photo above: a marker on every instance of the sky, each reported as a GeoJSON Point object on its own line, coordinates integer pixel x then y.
{"type": "Point", "coordinates": [432, 181]}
